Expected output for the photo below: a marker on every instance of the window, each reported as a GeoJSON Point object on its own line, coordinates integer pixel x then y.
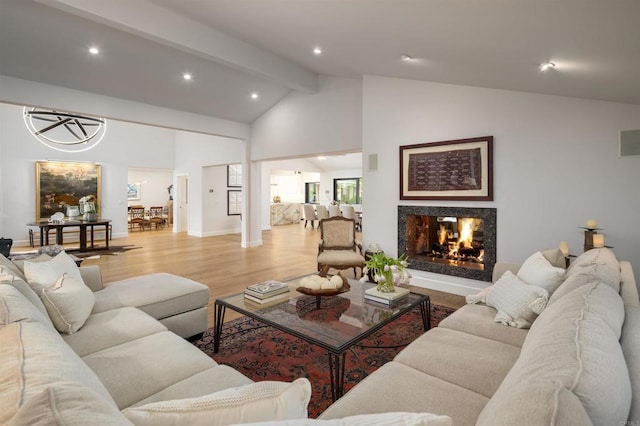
{"type": "Point", "coordinates": [311, 192]}
{"type": "Point", "coordinates": [348, 190]}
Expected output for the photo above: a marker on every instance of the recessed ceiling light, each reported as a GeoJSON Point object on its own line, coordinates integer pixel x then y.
{"type": "Point", "coordinates": [187, 76]}
{"type": "Point", "coordinates": [255, 95]}
{"type": "Point", "coordinates": [322, 158]}
{"type": "Point", "coordinates": [94, 50]}
{"type": "Point", "coordinates": [317, 51]}
{"type": "Point", "coordinates": [547, 66]}
{"type": "Point", "coordinates": [406, 57]}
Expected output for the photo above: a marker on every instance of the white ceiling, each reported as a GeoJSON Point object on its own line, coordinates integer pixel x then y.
{"type": "Point", "coordinates": [234, 48]}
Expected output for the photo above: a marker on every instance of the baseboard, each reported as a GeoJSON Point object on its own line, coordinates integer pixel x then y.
{"type": "Point", "coordinates": [250, 244]}
{"type": "Point", "coordinates": [218, 233]}
{"type": "Point", "coordinates": [446, 283]}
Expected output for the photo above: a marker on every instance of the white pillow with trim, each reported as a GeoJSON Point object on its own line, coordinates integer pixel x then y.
{"type": "Point", "coordinates": [69, 303]}
{"type": "Point", "coordinates": [538, 271]}
{"type": "Point", "coordinates": [44, 274]}
{"type": "Point", "coordinates": [518, 304]}
{"type": "Point", "coordinates": [257, 402]}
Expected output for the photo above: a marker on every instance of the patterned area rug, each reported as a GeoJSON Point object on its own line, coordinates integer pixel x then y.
{"type": "Point", "coordinates": [264, 353]}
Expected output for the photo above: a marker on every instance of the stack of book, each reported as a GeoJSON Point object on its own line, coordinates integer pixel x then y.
{"type": "Point", "coordinates": [266, 292]}
{"type": "Point", "coordinates": [387, 299]}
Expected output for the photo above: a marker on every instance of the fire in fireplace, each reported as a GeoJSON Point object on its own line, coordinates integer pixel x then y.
{"type": "Point", "coordinates": [453, 241]}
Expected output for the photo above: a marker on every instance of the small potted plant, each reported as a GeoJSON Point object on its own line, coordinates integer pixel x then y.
{"type": "Point", "coordinates": [387, 271]}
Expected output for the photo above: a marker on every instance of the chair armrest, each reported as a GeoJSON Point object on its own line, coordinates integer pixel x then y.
{"type": "Point", "coordinates": [501, 267]}
{"type": "Point", "coordinates": [359, 245]}
{"type": "Point", "coordinates": [92, 277]}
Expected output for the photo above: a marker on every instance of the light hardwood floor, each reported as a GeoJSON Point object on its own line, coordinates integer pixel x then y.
{"type": "Point", "coordinates": [220, 263]}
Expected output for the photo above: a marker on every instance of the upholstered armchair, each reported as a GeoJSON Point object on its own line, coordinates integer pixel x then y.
{"type": "Point", "coordinates": [338, 247]}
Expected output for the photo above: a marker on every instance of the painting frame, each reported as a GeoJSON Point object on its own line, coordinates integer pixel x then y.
{"type": "Point", "coordinates": [234, 175]}
{"type": "Point", "coordinates": [234, 202]}
{"type": "Point", "coordinates": [459, 169]}
{"type": "Point", "coordinates": [133, 192]}
{"type": "Point", "coordinates": [64, 183]}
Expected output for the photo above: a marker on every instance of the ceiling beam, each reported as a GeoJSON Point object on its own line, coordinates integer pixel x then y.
{"type": "Point", "coordinates": [148, 20]}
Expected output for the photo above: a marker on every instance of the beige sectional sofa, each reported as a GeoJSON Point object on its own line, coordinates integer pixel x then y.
{"type": "Point", "coordinates": [578, 364]}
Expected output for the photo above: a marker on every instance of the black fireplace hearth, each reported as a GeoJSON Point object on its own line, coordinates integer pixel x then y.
{"type": "Point", "coordinates": [458, 241]}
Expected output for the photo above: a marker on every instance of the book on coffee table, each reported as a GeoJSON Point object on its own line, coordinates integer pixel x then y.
{"type": "Point", "coordinates": [386, 298]}
{"type": "Point", "coordinates": [266, 289]}
{"type": "Point", "coordinates": [277, 298]}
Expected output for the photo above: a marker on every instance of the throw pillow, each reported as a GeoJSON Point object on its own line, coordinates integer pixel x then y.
{"type": "Point", "coordinates": [480, 297]}
{"type": "Point", "coordinates": [538, 271]}
{"type": "Point", "coordinates": [68, 403]}
{"type": "Point", "coordinates": [41, 275]}
{"type": "Point", "coordinates": [14, 307]}
{"type": "Point", "coordinates": [517, 303]}
{"type": "Point", "coordinates": [256, 402]}
{"type": "Point", "coordinates": [7, 277]}
{"type": "Point", "coordinates": [379, 419]}
{"type": "Point", "coordinates": [11, 266]}
{"type": "Point", "coordinates": [69, 303]}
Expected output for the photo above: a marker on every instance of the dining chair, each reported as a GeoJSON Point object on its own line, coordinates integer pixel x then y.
{"type": "Point", "coordinates": [309, 215]}
{"type": "Point", "coordinates": [322, 213]}
{"type": "Point", "coordinates": [136, 217]}
{"type": "Point", "coordinates": [338, 247]}
{"type": "Point", "coordinates": [334, 210]}
{"type": "Point", "coordinates": [156, 217]}
{"type": "Point", "coordinates": [348, 212]}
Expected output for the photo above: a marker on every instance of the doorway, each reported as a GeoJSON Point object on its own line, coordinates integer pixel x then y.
{"type": "Point", "coordinates": [182, 201]}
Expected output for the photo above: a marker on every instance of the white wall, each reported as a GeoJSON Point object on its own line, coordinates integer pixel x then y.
{"type": "Point", "coordinates": [194, 152]}
{"type": "Point", "coordinates": [153, 186]}
{"type": "Point", "coordinates": [214, 203]}
{"type": "Point", "coordinates": [555, 162]}
{"type": "Point", "coordinates": [124, 145]}
{"type": "Point", "coordinates": [303, 124]}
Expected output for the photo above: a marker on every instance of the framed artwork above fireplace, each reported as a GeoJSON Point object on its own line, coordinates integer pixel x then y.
{"type": "Point", "coordinates": [448, 170]}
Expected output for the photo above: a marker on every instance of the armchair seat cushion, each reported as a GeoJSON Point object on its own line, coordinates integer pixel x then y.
{"type": "Point", "coordinates": [340, 258]}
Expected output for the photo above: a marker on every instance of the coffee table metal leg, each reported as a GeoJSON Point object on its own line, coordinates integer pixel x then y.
{"type": "Point", "coordinates": [425, 311]}
{"type": "Point", "coordinates": [336, 372]}
{"type": "Point", "coordinates": [218, 315]}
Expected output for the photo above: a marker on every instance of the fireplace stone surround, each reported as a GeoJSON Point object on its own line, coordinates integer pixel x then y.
{"type": "Point", "coordinates": [481, 272]}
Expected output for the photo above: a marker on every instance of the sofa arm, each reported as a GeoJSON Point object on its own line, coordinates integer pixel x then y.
{"type": "Point", "coordinates": [502, 267]}
{"type": "Point", "coordinates": [92, 277]}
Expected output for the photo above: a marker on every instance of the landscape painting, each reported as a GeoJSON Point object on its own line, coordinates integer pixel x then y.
{"type": "Point", "coordinates": [60, 184]}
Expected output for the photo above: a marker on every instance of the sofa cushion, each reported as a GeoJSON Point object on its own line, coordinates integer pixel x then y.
{"type": "Point", "coordinates": [630, 341]}
{"type": "Point", "coordinates": [68, 404]}
{"type": "Point", "coordinates": [152, 362]}
{"type": "Point", "coordinates": [112, 328]}
{"type": "Point", "coordinates": [69, 303]}
{"type": "Point", "coordinates": [538, 271]}
{"type": "Point", "coordinates": [44, 274]}
{"type": "Point", "coordinates": [380, 419]}
{"type": "Point", "coordinates": [7, 277]}
{"type": "Point", "coordinates": [438, 354]}
{"type": "Point", "coordinates": [34, 357]}
{"type": "Point", "coordinates": [478, 320]}
{"type": "Point", "coordinates": [214, 379]}
{"type": "Point", "coordinates": [398, 387]}
{"type": "Point", "coordinates": [572, 347]}
{"type": "Point", "coordinates": [160, 295]}
{"type": "Point", "coordinates": [517, 303]}
{"type": "Point", "coordinates": [255, 402]}
{"type": "Point", "coordinates": [15, 307]}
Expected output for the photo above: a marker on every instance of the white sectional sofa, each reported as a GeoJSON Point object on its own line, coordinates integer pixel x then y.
{"type": "Point", "coordinates": [579, 363]}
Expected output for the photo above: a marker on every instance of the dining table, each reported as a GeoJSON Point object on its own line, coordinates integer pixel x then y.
{"type": "Point", "coordinates": [83, 225]}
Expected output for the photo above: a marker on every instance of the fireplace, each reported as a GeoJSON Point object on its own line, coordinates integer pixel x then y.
{"type": "Point", "coordinates": [458, 241]}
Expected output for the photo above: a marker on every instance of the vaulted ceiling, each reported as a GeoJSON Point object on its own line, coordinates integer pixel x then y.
{"type": "Point", "coordinates": [235, 48]}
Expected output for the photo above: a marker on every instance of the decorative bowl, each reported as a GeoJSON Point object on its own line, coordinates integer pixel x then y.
{"type": "Point", "coordinates": [326, 292]}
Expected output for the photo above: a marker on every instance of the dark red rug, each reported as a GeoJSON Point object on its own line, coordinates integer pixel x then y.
{"type": "Point", "coordinates": [264, 353]}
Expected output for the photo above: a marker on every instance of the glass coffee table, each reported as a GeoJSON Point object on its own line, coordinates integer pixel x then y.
{"type": "Point", "coordinates": [339, 322]}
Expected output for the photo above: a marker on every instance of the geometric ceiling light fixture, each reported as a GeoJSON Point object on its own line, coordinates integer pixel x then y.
{"type": "Point", "coordinates": [64, 131]}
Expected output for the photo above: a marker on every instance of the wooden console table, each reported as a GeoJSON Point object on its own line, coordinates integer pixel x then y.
{"type": "Point", "coordinates": [45, 227]}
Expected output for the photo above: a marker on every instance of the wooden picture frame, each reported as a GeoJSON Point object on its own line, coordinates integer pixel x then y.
{"type": "Point", "coordinates": [448, 170]}
{"type": "Point", "coordinates": [234, 202]}
{"type": "Point", "coordinates": [234, 175]}
{"type": "Point", "coordinates": [60, 184]}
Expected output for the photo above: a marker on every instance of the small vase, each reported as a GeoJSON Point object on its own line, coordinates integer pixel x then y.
{"type": "Point", "coordinates": [386, 286]}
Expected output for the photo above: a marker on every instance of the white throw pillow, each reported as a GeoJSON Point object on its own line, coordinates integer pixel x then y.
{"type": "Point", "coordinates": [69, 303]}
{"type": "Point", "coordinates": [44, 274]}
{"type": "Point", "coordinates": [517, 303]}
{"type": "Point", "coordinates": [538, 271]}
{"type": "Point", "coordinates": [256, 402]}
{"type": "Point", "coordinates": [380, 419]}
